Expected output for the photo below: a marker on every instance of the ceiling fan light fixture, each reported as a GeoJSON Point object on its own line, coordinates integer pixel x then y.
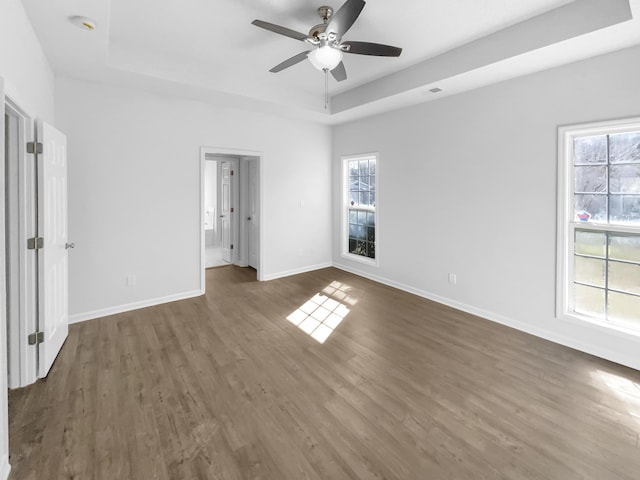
{"type": "Point", "coordinates": [325, 57]}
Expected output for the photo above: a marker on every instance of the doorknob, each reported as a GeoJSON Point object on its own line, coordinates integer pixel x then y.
{"type": "Point", "coordinates": [69, 245]}
{"type": "Point", "coordinates": [248, 219]}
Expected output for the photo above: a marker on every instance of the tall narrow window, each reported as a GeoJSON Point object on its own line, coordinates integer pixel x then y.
{"type": "Point", "coordinates": [359, 217]}
{"type": "Point", "coordinates": [599, 247]}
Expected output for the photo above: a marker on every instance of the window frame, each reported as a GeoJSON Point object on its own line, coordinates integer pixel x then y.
{"type": "Point", "coordinates": [567, 224]}
{"type": "Point", "coordinates": [344, 208]}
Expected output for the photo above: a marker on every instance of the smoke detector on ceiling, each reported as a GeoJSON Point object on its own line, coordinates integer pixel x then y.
{"type": "Point", "coordinates": [83, 22]}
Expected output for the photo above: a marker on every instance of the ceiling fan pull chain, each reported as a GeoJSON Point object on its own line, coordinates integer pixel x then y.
{"type": "Point", "coordinates": [326, 88]}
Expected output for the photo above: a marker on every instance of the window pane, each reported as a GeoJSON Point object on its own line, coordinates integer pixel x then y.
{"type": "Point", "coordinates": [590, 179]}
{"type": "Point", "coordinates": [353, 230]}
{"type": "Point", "coordinates": [624, 247]}
{"type": "Point", "coordinates": [625, 209]}
{"type": "Point", "coordinates": [362, 217]}
{"type": "Point", "coordinates": [589, 301]}
{"type": "Point", "coordinates": [364, 198]}
{"type": "Point", "coordinates": [353, 216]}
{"type": "Point", "coordinates": [594, 205]}
{"type": "Point", "coordinates": [372, 183]}
{"type": "Point", "coordinates": [354, 184]}
{"type": "Point", "coordinates": [624, 178]}
{"type": "Point", "coordinates": [372, 167]}
{"type": "Point", "coordinates": [371, 218]}
{"type": "Point", "coordinates": [589, 270]}
{"type": "Point", "coordinates": [623, 309]}
{"type": "Point", "coordinates": [624, 147]}
{"type": "Point", "coordinates": [371, 253]}
{"type": "Point", "coordinates": [353, 243]}
{"type": "Point", "coordinates": [371, 234]}
{"type": "Point", "coordinates": [353, 168]}
{"type": "Point", "coordinates": [590, 149]}
{"type": "Point", "coordinates": [364, 167]}
{"type": "Point", "coordinates": [354, 198]}
{"type": "Point", "coordinates": [625, 277]}
{"type": "Point", "coordinates": [590, 243]}
{"type": "Point", "coordinates": [364, 184]}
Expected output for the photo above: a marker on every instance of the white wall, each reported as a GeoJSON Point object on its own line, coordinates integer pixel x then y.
{"type": "Point", "coordinates": [28, 81]}
{"type": "Point", "coordinates": [28, 76]}
{"type": "Point", "coordinates": [468, 186]}
{"type": "Point", "coordinates": [134, 180]}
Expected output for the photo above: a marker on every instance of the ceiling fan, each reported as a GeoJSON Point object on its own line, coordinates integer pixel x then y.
{"type": "Point", "coordinates": [326, 38]}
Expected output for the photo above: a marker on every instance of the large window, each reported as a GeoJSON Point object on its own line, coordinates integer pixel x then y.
{"type": "Point", "coordinates": [359, 198]}
{"type": "Point", "coordinates": [599, 223]}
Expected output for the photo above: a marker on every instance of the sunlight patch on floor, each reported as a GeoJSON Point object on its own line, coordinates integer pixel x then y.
{"type": "Point", "coordinates": [625, 389]}
{"type": "Point", "coordinates": [320, 315]}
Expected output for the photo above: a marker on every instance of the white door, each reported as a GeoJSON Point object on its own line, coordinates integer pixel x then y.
{"type": "Point", "coordinates": [253, 214]}
{"type": "Point", "coordinates": [53, 268]}
{"type": "Point", "coordinates": [225, 210]}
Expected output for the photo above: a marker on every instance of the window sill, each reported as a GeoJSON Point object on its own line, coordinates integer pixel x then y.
{"type": "Point", "coordinates": [360, 259]}
{"type": "Point", "coordinates": [601, 324]}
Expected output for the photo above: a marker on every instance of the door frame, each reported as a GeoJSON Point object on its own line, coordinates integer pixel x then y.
{"type": "Point", "coordinates": [240, 237]}
{"type": "Point", "coordinates": [22, 358]}
{"type": "Point", "coordinates": [5, 467]}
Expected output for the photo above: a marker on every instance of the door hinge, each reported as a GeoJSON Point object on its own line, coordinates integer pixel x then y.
{"type": "Point", "coordinates": [231, 247]}
{"type": "Point", "coordinates": [35, 243]}
{"type": "Point", "coordinates": [232, 173]}
{"type": "Point", "coordinates": [231, 210]}
{"type": "Point", "coordinates": [35, 147]}
{"type": "Point", "coordinates": [36, 338]}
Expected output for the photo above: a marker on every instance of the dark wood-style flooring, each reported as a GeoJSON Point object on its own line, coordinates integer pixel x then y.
{"type": "Point", "coordinates": [225, 387]}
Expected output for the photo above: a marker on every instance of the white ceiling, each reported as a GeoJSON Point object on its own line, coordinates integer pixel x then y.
{"type": "Point", "coordinates": [208, 49]}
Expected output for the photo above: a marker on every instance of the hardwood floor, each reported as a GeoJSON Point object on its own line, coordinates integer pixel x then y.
{"type": "Point", "coordinates": [225, 387]}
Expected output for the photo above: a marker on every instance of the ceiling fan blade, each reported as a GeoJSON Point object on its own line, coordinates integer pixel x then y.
{"type": "Point", "coordinates": [339, 73]}
{"type": "Point", "coordinates": [287, 32]}
{"type": "Point", "coordinates": [345, 17]}
{"type": "Point", "coordinates": [376, 49]}
{"type": "Point", "coordinates": [290, 62]}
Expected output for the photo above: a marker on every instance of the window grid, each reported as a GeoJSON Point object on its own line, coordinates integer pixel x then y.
{"type": "Point", "coordinates": [606, 258]}
{"type": "Point", "coordinates": [619, 301]}
{"type": "Point", "coordinates": [608, 194]}
{"type": "Point", "coordinates": [361, 192]}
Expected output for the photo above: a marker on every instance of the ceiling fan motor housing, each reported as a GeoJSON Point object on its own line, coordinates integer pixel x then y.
{"type": "Point", "coordinates": [318, 30]}
{"type": "Point", "coordinates": [325, 13]}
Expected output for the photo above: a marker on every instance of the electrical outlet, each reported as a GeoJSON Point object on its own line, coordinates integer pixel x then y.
{"type": "Point", "coordinates": [452, 278]}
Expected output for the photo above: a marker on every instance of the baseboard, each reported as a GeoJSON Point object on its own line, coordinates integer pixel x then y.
{"type": "Point", "coordinates": [5, 468]}
{"type": "Point", "coordinates": [596, 350]}
{"type": "Point", "coordinates": [81, 317]}
{"type": "Point", "coordinates": [296, 271]}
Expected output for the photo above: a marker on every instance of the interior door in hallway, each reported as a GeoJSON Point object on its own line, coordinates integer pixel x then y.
{"type": "Point", "coordinates": [253, 213]}
{"type": "Point", "coordinates": [53, 266]}
{"type": "Point", "coordinates": [226, 210]}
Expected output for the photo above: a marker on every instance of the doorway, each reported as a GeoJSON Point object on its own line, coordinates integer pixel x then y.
{"type": "Point", "coordinates": [34, 180]}
{"type": "Point", "coordinates": [20, 265]}
{"type": "Point", "coordinates": [231, 208]}
{"type": "Point", "coordinates": [213, 225]}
